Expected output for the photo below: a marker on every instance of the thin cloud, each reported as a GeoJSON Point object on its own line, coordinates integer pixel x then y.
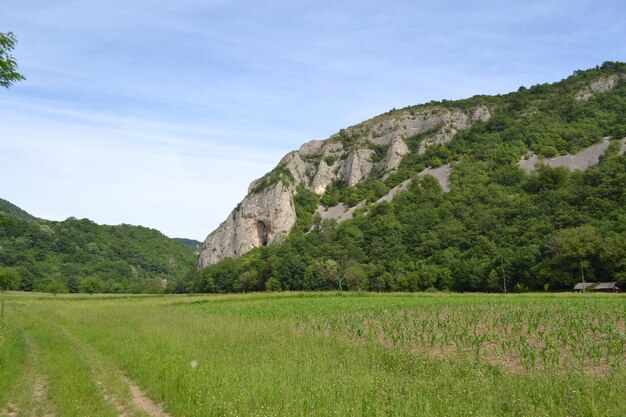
{"type": "Point", "coordinates": [160, 113]}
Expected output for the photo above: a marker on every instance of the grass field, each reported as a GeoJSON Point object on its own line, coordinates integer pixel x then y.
{"type": "Point", "coordinates": [294, 354]}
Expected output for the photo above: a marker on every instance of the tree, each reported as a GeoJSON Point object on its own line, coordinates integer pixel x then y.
{"type": "Point", "coordinates": [356, 277]}
{"type": "Point", "coordinates": [247, 281]}
{"type": "Point", "coordinates": [329, 271]}
{"type": "Point", "coordinates": [56, 287]}
{"type": "Point", "coordinates": [8, 66]}
{"type": "Point", "coordinates": [273, 285]}
{"type": "Point", "coordinates": [9, 279]}
{"type": "Point", "coordinates": [574, 250]}
{"type": "Point", "coordinates": [91, 285]}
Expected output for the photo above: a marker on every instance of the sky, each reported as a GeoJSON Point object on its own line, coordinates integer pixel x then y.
{"type": "Point", "coordinates": [160, 113]}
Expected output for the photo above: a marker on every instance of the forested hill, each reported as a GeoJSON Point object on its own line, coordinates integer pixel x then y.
{"type": "Point", "coordinates": [472, 211]}
{"type": "Point", "coordinates": [7, 207]}
{"type": "Point", "coordinates": [81, 256]}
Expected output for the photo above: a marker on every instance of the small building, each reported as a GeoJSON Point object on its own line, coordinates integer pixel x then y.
{"type": "Point", "coordinates": [596, 286]}
{"type": "Point", "coordinates": [584, 286]}
{"type": "Point", "coordinates": [607, 286]}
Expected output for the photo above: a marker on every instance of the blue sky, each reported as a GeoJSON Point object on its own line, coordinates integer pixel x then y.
{"type": "Point", "coordinates": [161, 113]}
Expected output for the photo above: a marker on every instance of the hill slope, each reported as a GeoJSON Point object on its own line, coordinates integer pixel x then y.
{"type": "Point", "coordinates": [435, 196]}
{"type": "Point", "coordinates": [11, 209]}
{"type": "Point", "coordinates": [74, 255]}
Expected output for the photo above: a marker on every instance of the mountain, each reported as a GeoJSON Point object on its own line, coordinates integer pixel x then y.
{"type": "Point", "coordinates": [79, 255]}
{"type": "Point", "coordinates": [192, 244]}
{"type": "Point", "coordinates": [468, 195]}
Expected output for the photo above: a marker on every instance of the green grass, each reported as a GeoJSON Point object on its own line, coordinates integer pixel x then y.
{"type": "Point", "coordinates": [11, 355]}
{"type": "Point", "coordinates": [323, 354]}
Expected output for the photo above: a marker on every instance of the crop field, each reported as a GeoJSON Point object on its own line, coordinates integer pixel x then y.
{"type": "Point", "coordinates": [318, 354]}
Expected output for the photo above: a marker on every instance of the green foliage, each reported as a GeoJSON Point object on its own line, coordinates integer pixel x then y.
{"type": "Point", "coordinates": [347, 137]}
{"type": "Point", "coordinates": [8, 65]}
{"type": "Point", "coordinates": [369, 190]}
{"type": "Point", "coordinates": [463, 240]}
{"type": "Point", "coordinates": [91, 285]}
{"type": "Point", "coordinates": [278, 174]}
{"type": "Point", "coordinates": [55, 287]}
{"type": "Point", "coordinates": [126, 258]}
{"type": "Point", "coordinates": [305, 202]}
{"type": "Point", "coordinates": [14, 211]}
{"type": "Point", "coordinates": [301, 354]}
{"type": "Point", "coordinates": [9, 279]}
{"type": "Point", "coordinates": [496, 224]}
{"type": "Point", "coordinates": [192, 244]}
{"type": "Point", "coordinates": [380, 151]}
{"type": "Point", "coordinates": [273, 285]}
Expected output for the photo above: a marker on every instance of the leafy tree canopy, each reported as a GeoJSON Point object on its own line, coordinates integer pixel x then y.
{"type": "Point", "coordinates": [8, 65]}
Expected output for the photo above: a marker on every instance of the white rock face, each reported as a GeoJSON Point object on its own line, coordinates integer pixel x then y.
{"type": "Point", "coordinates": [584, 159]}
{"type": "Point", "coordinates": [452, 122]}
{"type": "Point", "coordinates": [358, 165]}
{"type": "Point", "coordinates": [598, 86]}
{"type": "Point", "coordinates": [395, 153]}
{"type": "Point", "coordinates": [267, 216]}
{"type": "Point", "coordinates": [311, 148]}
{"type": "Point", "coordinates": [340, 212]}
{"type": "Point", "coordinates": [441, 174]}
{"type": "Point", "coordinates": [259, 220]}
{"type": "Point", "coordinates": [324, 176]}
{"type": "Point", "coordinates": [294, 163]}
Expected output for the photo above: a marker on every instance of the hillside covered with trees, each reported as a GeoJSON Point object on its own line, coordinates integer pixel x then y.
{"type": "Point", "coordinates": [81, 256]}
{"type": "Point", "coordinates": [498, 227]}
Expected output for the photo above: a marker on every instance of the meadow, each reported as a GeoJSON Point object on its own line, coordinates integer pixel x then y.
{"type": "Point", "coordinates": [318, 354]}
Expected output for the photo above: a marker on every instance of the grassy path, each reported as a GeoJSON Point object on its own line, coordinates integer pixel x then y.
{"type": "Point", "coordinates": [63, 376]}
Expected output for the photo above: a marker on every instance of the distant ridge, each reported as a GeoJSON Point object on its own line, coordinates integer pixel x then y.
{"type": "Point", "coordinates": [192, 244]}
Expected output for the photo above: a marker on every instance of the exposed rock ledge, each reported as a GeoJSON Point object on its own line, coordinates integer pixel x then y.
{"type": "Point", "coordinates": [584, 159]}
{"type": "Point", "coordinates": [598, 86]}
{"type": "Point", "coordinates": [341, 212]}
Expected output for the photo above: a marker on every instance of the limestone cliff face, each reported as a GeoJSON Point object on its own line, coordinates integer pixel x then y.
{"type": "Point", "coordinates": [267, 214]}
{"type": "Point", "coordinates": [598, 86]}
{"type": "Point", "coordinates": [260, 219]}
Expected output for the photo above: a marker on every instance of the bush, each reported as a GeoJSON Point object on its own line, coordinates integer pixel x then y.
{"type": "Point", "coordinates": [273, 285]}
{"type": "Point", "coordinates": [91, 285]}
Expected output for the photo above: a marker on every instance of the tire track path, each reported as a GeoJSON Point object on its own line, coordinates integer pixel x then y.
{"type": "Point", "coordinates": [119, 391]}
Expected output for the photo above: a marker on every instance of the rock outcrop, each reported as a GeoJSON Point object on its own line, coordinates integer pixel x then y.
{"type": "Point", "coordinates": [451, 122]}
{"type": "Point", "coordinates": [260, 219]}
{"type": "Point", "coordinates": [357, 166]}
{"type": "Point", "coordinates": [341, 212]}
{"type": "Point", "coordinates": [598, 86]}
{"type": "Point", "coordinates": [584, 159]}
{"type": "Point", "coordinates": [267, 214]}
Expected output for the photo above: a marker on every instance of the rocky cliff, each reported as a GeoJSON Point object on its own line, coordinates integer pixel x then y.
{"type": "Point", "coordinates": [267, 214]}
{"type": "Point", "coordinates": [375, 150]}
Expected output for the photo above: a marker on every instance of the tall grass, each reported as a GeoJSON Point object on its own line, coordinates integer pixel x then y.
{"type": "Point", "coordinates": [351, 354]}
{"type": "Point", "coordinates": [11, 355]}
